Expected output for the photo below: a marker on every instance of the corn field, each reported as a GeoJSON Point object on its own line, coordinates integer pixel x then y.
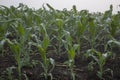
{"type": "Point", "coordinates": [50, 44]}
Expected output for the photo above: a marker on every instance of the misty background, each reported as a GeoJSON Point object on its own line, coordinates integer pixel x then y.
{"type": "Point", "coordinates": [91, 5]}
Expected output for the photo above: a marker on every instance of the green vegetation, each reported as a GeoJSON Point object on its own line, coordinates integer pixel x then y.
{"type": "Point", "coordinates": [25, 32]}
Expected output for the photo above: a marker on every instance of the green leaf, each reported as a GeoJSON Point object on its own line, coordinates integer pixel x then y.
{"type": "Point", "coordinates": [45, 43]}
{"type": "Point", "coordinates": [21, 30]}
{"type": "Point", "coordinates": [71, 53]}
{"type": "Point", "coordinates": [99, 74]}
{"type": "Point", "coordinates": [59, 23]}
{"type": "Point", "coordinates": [76, 46]}
{"type": "Point", "coordinates": [110, 42]}
{"type": "Point", "coordinates": [46, 40]}
{"type": "Point", "coordinates": [92, 28]}
{"type": "Point", "coordinates": [50, 7]}
{"type": "Point", "coordinates": [41, 50]}
{"type": "Point", "coordinates": [80, 29]}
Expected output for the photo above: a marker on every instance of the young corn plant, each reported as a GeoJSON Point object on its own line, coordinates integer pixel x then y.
{"type": "Point", "coordinates": [114, 26]}
{"type": "Point", "coordinates": [92, 31]}
{"type": "Point", "coordinates": [18, 46]}
{"type": "Point", "coordinates": [71, 52]}
{"type": "Point", "coordinates": [112, 22]}
{"type": "Point", "coordinates": [100, 59]}
{"type": "Point", "coordinates": [60, 33]}
{"type": "Point", "coordinates": [42, 46]}
{"type": "Point", "coordinates": [16, 49]}
{"type": "Point", "coordinates": [80, 31]}
{"type": "Point", "coordinates": [4, 31]}
{"type": "Point", "coordinates": [23, 37]}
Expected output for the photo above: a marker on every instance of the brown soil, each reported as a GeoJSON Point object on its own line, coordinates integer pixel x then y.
{"type": "Point", "coordinates": [61, 71]}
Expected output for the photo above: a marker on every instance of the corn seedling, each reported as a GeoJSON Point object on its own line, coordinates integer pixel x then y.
{"type": "Point", "coordinates": [18, 46]}
{"type": "Point", "coordinates": [23, 35]}
{"type": "Point", "coordinates": [15, 48]}
{"type": "Point", "coordinates": [80, 31]}
{"type": "Point", "coordinates": [100, 60]}
{"type": "Point", "coordinates": [42, 48]}
{"type": "Point", "coordinates": [71, 52]}
{"type": "Point", "coordinates": [92, 31]}
{"type": "Point", "coordinates": [114, 26]}
{"type": "Point", "coordinates": [60, 33]}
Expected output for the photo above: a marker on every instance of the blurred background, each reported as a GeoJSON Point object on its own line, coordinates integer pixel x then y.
{"type": "Point", "coordinates": [91, 5]}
